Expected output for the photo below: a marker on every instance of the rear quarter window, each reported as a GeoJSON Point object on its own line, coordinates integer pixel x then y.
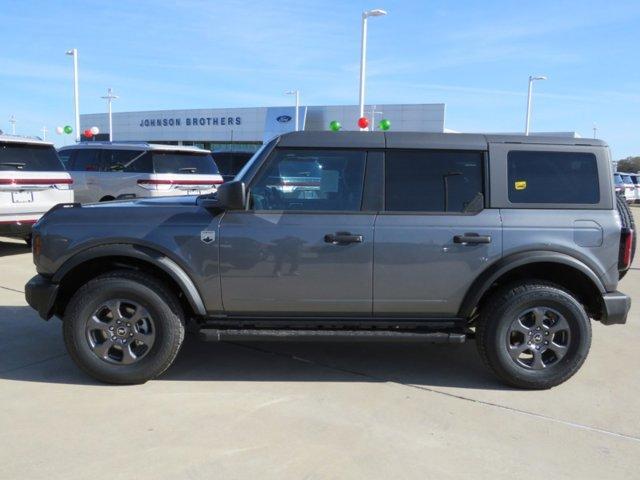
{"type": "Point", "coordinates": [553, 177]}
{"type": "Point", "coordinates": [18, 157]}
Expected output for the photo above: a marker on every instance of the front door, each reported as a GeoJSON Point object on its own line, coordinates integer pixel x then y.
{"type": "Point", "coordinates": [434, 235]}
{"type": "Point", "coordinates": [304, 246]}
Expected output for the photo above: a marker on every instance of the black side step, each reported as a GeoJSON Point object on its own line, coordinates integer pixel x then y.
{"type": "Point", "coordinates": [217, 335]}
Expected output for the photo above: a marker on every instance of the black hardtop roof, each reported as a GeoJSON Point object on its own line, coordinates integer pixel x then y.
{"type": "Point", "coordinates": [457, 141]}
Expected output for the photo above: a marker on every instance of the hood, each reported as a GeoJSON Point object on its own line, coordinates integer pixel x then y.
{"type": "Point", "coordinates": [177, 201]}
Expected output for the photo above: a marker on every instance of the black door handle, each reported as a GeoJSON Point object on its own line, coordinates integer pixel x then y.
{"type": "Point", "coordinates": [471, 239]}
{"type": "Point", "coordinates": [342, 238]}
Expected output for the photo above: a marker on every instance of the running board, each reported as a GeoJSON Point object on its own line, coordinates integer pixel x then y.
{"type": "Point", "coordinates": [217, 335]}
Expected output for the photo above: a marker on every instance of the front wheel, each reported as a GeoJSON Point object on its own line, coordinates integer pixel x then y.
{"type": "Point", "coordinates": [123, 327]}
{"type": "Point", "coordinates": [533, 335]}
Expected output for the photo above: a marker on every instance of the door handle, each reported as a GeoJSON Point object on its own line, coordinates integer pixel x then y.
{"type": "Point", "coordinates": [342, 238]}
{"type": "Point", "coordinates": [471, 239]}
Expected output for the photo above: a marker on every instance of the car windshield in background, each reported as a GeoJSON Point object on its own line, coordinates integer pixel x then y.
{"type": "Point", "coordinates": [29, 158]}
{"type": "Point", "coordinates": [627, 179]}
{"type": "Point", "coordinates": [617, 179]}
{"type": "Point", "coordinates": [184, 162]}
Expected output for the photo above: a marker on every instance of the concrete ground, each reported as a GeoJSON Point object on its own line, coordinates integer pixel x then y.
{"type": "Point", "coordinates": [313, 411]}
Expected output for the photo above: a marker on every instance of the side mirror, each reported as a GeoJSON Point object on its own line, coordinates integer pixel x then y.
{"type": "Point", "coordinates": [232, 195]}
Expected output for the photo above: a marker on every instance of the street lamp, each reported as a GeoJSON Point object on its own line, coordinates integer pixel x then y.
{"type": "Point", "coordinates": [374, 112]}
{"type": "Point", "coordinates": [109, 97]}
{"type": "Point", "coordinates": [363, 50]}
{"type": "Point", "coordinates": [44, 133]}
{"type": "Point", "coordinates": [297, 94]}
{"type": "Point", "coordinates": [12, 121]}
{"type": "Point", "coordinates": [74, 53]}
{"type": "Point", "coordinates": [528, 120]}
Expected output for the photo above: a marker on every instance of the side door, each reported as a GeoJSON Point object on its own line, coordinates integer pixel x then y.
{"type": "Point", "coordinates": [434, 234]}
{"type": "Point", "coordinates": [117, 178]}
{"type": "Point", "coordinates": [304, 245]}
{"type": "Point", "coordinates": [84, 167]}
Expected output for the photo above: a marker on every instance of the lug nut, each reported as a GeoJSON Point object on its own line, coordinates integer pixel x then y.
{"type": "Point", "coordinates": [538, 347]}
{"type": "Point", "coordinates": [111, 328]}
{"type": "Point", "coordinates": [546, 343]}
{"type": "Point", "coordinates": [118, 322]}
{"type": "Point", "coordinates": [124, 341]}
{"type": "Point", "coordinates": [546, 333]}
{"type": "Point", "coordinates": [113, 338]}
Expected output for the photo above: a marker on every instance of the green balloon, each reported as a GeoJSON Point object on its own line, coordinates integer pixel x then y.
{"type": "Point", "coordinates": [335, 126]}
{"type": "Point", "coordinates": [67, 129]}
{"type": "Point", "coordinates": [385, 124]}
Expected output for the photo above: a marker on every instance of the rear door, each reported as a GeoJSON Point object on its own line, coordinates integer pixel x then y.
{"type": "Point", "coordinates": [32, 180]}
{"type": "Point", "coordinates": [304, 246]}
{"type": "Point", "coordinates": [435, 234]}
{"type": "Point", "coordinates": [85, 169]}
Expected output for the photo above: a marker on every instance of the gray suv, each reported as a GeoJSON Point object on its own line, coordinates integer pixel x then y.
{"type": "Point", "coordinates": [515, 241]}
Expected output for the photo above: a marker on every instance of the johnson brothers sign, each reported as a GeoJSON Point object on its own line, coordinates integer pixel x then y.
{"type": "Point", "coordinates": [190, 121]}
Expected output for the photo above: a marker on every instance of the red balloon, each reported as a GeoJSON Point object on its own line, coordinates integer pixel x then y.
{"type": "Point", "coordinates": [87, 133]}
{"type": "Point", "coordinates": [363, 122]}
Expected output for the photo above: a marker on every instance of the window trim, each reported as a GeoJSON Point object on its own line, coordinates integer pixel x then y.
{"type": "Point", "coordinates": [484, 172]}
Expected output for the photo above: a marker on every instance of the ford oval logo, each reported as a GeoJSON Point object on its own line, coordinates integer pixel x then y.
{"type": "Point", "coordinates": [284, 118]}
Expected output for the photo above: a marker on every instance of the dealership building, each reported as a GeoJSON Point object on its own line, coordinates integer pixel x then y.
{"type": "Point", "coordinates": [229, 129]}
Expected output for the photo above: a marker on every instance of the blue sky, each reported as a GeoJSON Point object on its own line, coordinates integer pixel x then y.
{"type": "Point", "coordinates": [475, 56]}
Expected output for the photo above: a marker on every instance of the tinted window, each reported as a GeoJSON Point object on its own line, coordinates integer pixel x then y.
{"type": "Point", "coordinates": [224, 161]}
{"type": "Point", "coordinates": [318, 180]}
{"type": "Point", "coordinates": [432, 181]}
{"type": "Point", "coordinates": [86, 160]}
{"type": "Point", "coordinates": [65, 157]}
{"type": "Point", "coordinates": [140, 163]}
{"type": "Point", "coordinates": [118, 160]}
{"type": "Point", "coordinates": [634, 179]}
{"type": "Point", "coordinates": [183, 162]}
{"type": "Point", "coordinates": [29, 158]}
{"type": "Point", "coordinates": [553, 177]}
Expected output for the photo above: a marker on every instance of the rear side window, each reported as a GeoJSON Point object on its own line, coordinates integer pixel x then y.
{"type": "Point", "coordinates": [183, 162]}
{"type": "Point", "coordinates": [118, 160]}
{"type": "Point", "coordinates": [29, 158]}
{"type": "Point", "coordinates": [86, 160]}
{"type": "Point", "coordinates": [433, 181]}
{"type": "Point", "coordinates": [553, 177]}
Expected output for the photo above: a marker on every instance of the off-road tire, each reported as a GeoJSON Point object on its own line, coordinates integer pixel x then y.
{"type": "Point", "coordinates": [149, 292]}
{"type": "Point", "coordinates": [494, 322]}
{"type": "Point", "coordinates": [626, 218]}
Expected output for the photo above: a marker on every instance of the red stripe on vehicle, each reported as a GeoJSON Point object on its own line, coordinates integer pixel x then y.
{"type": "Point", "coordinates": [17, 222]}
{"type": "Point", "coordinates": [180, 182]}
{"type": "Point", "coordinates": [35, 181]}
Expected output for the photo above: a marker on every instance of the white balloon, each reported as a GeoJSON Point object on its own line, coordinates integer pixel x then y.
{"type": "Point", "coordinates": [59, 130]}
{"type": "Point", "coordinates": [95, 130]}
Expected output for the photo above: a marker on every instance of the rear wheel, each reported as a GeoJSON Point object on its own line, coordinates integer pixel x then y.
{"type": "Point", "coordinates": [123, 327]}
{"type": "Point", "coordinates": [533, 335]}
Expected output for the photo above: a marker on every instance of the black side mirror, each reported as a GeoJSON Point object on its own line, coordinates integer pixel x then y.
{"type": "Point", "coordinates": [232, 195]}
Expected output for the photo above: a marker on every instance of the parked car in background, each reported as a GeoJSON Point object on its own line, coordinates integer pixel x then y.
{"type": "Point", "coordinates": [32, 180]}
{"type": "Point", "coordinates": [516, 242]}
{"type": "Point", "coordinates": [618, 184]}
{"type": "Point", "coordinates": [230, 163]}
{"type": "Point", "coordinates": [105, 171]}
{"type": "Point", "coordinates": [636, 186]}
{"type": "Point", "coordinates": [629, 187]}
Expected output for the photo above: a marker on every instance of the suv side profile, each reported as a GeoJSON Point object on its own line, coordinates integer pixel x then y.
{"type": "Point", "coordinates": [515, 241]}
{"type": "Point", "coordinates": [104, 171]}
{"type": "Point", "coordinates": [32, 180]}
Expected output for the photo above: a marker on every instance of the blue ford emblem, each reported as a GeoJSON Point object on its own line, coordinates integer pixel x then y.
{"type": "Point", "coordinates": [284, 118]}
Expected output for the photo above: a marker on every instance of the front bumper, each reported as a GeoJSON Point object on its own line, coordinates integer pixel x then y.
{"type": "Point", "coordinates": [616, 308]}
{"type": "Point", "coordinates": [40, 293]}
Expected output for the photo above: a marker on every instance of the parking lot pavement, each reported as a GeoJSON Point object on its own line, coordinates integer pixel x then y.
{"type": "Point", "coordinates": [309, 410]}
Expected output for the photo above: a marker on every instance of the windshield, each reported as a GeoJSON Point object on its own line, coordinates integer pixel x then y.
{"type": "Point", "coordinates": [184, 162]}
{"type": "Point", "coordinates": [29, 158]}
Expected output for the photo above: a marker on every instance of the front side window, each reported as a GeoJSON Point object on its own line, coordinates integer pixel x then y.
{"type": "Point", "coordinates": [311, 180]}
{"type": "Point", "coordinates": [553, 177]}
{"type": "Point", "coordinates": [433, 181]}
{"type": "Point", "coordinates": [29, 158]}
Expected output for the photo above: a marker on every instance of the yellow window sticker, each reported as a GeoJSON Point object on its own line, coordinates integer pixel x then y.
{"type": "Point", "coordinates": [521, 184]}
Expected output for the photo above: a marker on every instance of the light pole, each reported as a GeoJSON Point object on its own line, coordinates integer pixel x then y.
{"type": "Point", "coordinates": [595, 131]}
{"type": "Point", "coordinates": [74, 53]}
{"type": "Point", "coordinates": [363, 50]}
{"type": "Point", "coordinates": [44, 133]}
{"type": "Point", "coordinates": [374, 112]}
{"type": "Point", "coordinates": [109, 97]}
{"type": "Point", "coordinates": [528, 120]}
{"type": "Point", "coordinates": [12, 121]}
{"type": "Point", "coordinates": [297, 94]}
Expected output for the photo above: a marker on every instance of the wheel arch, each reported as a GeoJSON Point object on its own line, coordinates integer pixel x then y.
{"type": "Point", "coordinates": [556, 267]}
{"type": "Point", "coordinates": [99, 259]}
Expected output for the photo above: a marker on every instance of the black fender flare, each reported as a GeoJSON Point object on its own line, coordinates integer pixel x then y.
{"type": "Point", "coordinates": [487, 278]}
{"type": "Point", "coordinates": [146, 254]}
